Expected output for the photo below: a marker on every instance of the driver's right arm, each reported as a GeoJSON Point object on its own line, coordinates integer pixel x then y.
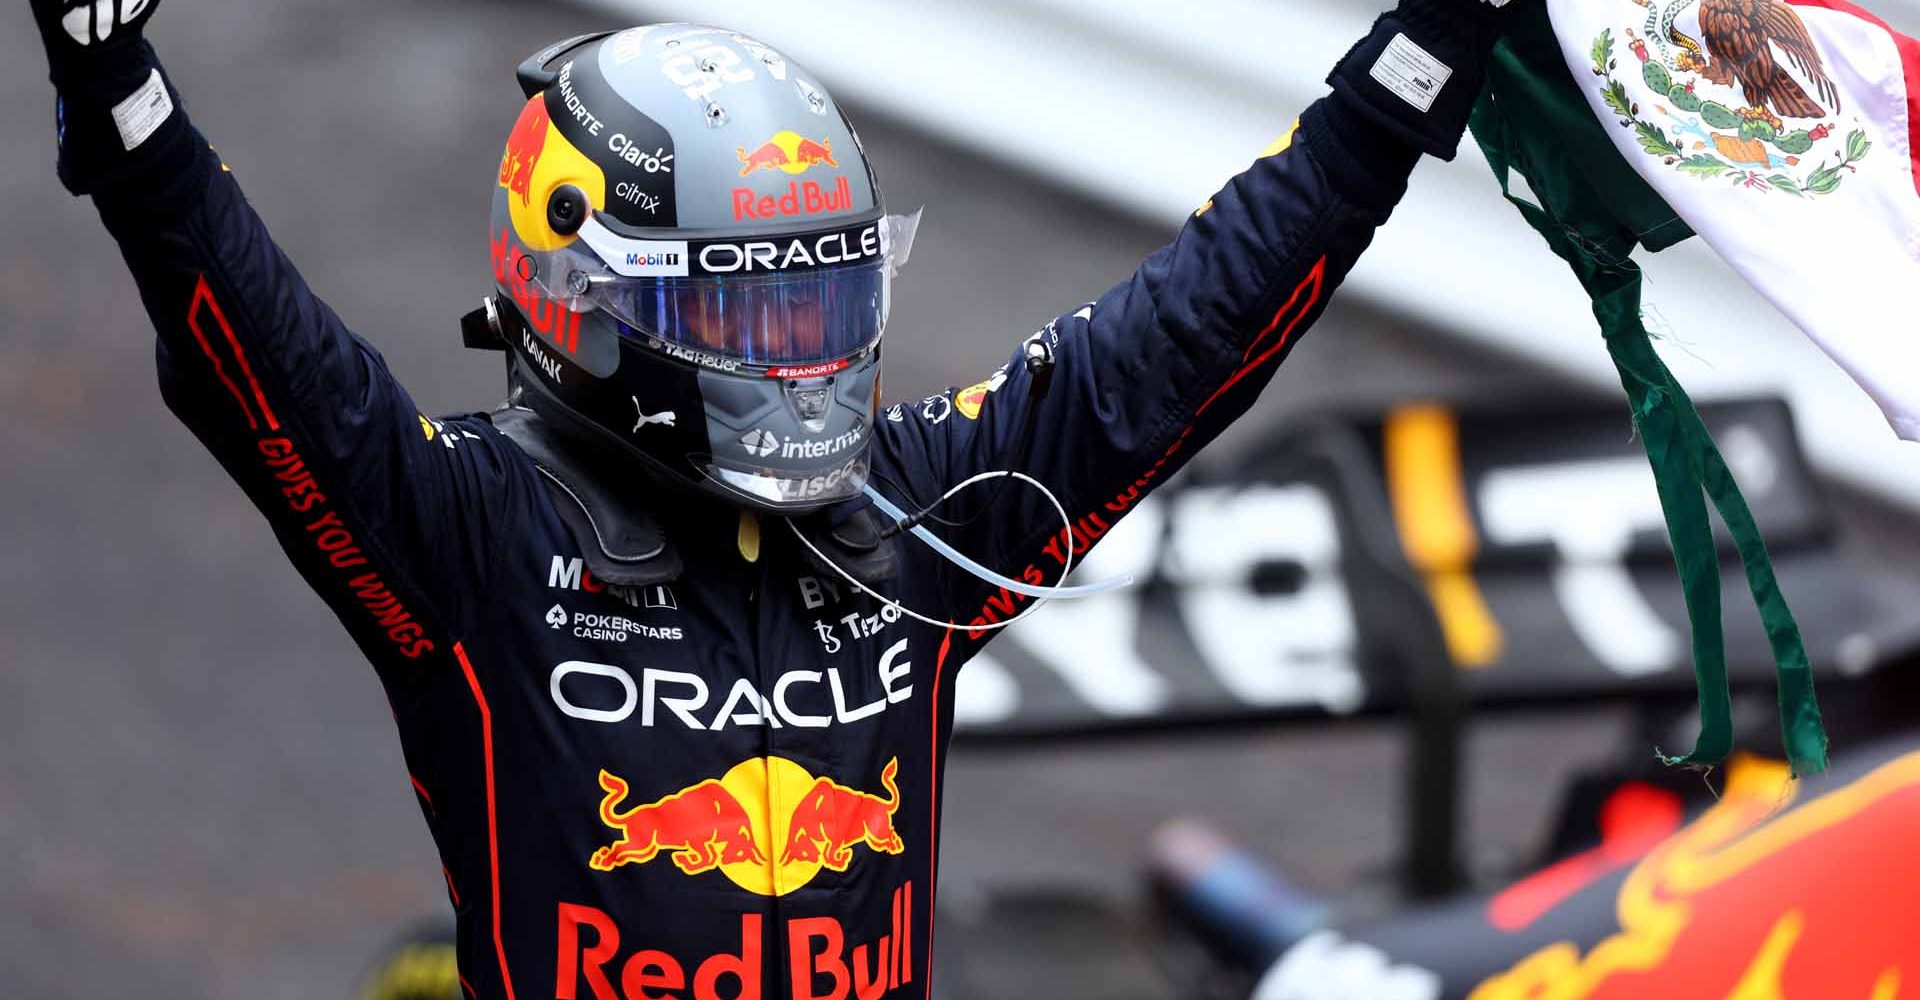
{"type": "Point", "coordinates": [385, 512]}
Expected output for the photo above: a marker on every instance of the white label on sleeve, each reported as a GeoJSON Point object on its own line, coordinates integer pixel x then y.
{"type": "Point", "coordinates": [1411, 72]}
{"type": "Point", "coordinates": [140, 115]}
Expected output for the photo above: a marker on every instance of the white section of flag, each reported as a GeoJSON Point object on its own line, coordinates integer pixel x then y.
{"type": "Point", "coordinates": [1842, 264]}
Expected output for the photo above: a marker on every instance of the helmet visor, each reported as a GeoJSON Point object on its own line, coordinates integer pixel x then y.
{"type": "Point", "coordinates": [775, 319]}
{"type": "Point", "coordinates": [780, 302]}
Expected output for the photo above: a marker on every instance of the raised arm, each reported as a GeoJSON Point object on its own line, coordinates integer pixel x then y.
{"type": "Point", "coordinates": [1160, 364]}
{"type": "Point", "coordinates": [360, 488]}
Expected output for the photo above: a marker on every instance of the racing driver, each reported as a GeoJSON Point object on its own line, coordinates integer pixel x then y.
{"type": "Point", "coordinates": [670, 637]}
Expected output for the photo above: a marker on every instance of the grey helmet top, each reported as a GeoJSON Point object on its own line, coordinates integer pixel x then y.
{"type": "Point", "coordinates": [692, 254]}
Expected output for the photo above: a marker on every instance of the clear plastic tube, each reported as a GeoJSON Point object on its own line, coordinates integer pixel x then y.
{"type": "Point", "coordinates": [1040, 594]}
{"type": "Point", "coordinates": [959, 559]}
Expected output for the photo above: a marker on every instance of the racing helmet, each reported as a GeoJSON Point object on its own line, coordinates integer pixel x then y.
{"type": "Point", "coordinates": [691, 258]}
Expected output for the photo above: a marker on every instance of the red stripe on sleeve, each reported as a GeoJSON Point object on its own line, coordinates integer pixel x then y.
{"type": "Point", "coordinates": [203, 298]}
{"type": "Point", "coordinates": [203, 294]}
{"type": "Point", "coordinates": [1293, 312]}
{"type": "Point", "coordinates": [493, 815]}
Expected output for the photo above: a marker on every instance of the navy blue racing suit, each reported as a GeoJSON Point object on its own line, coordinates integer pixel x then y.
{"type": "Point", "coordinates": [729, 784]}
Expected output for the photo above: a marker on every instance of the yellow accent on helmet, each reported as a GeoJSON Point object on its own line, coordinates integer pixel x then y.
{"type": "Point", "coordinates": [537, 162]}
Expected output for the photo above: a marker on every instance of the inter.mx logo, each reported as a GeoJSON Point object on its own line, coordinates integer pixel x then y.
{"type": "Point", "coordinates": [760, 443]}
{"type": "Point", "coordinates": [572, 574]}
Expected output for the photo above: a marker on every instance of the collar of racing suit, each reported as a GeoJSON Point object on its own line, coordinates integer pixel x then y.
{"type": "Point", "coordinates": [622, 541]}
{"type": "Point", "coordinates": [849, 533]}
{"type": "Point", "coordinates": [619, 538]}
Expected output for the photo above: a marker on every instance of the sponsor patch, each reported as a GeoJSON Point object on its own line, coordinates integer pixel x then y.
{"type": "Point", "coordinates": [1411, 72]}
{"type": "Point", "coordinates": [969, 400]}
{"type": "Point", "coordinates": [788, 152]}
{"type": "Point", "coordinates": [142, 114]}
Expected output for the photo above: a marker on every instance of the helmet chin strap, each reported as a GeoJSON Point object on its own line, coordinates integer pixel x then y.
{"type": "Point", "coordinates": [1041, 595]}
{"type": "Point", "coordinates": [483, 328]}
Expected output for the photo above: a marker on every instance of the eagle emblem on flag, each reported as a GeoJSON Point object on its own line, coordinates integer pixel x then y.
{"type": "Point", "coordinates": [1734, 90]}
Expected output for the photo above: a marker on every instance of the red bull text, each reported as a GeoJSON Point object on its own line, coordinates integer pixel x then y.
{"type": "Point", "coordinates": [548, 318]}
{"type": "Point", "coordinates": [801, 200]}
{"type": "Point", "coordinates": [819, 965]}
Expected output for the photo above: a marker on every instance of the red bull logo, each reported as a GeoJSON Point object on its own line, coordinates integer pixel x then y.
{"type": "Point", "coordinates": [726, 824]}
{"type": "Point", "coordinates": [704, 826]}
{"type": "Point", "coordinates": [788, 151]}
{"type": "Point", "coordinates": [809, 153]}
{"type": "Point", "coordinates": [550, 319]}
{"type": "Point", "coordinates": [969, 400]}
{"type": "Point", "coordinates": [800, 200]}
{"type": "Point", "coordinates": [833, 819]}
{"type": "Point", "coordinates": [824, 960]}
{"type": "Point", "coordinates": [1754, 903]}
{"type": "Point", "coordinates": [524, 146]}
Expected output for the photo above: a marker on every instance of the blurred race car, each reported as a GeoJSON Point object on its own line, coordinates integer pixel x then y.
{"type": "Point", "coordinates": [1778, 889]}
{"type": "Point", "coordinates": [1430, 563]}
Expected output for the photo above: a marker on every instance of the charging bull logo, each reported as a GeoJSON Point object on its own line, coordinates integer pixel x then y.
{"type": "Point", "coordinates": [1754, 903]}
{"type": "Point", "coordinates": [833, 819]}
{"type": "Point", "coordinates": [524, 145]}
{"type": "Point", "coordinates": [538, 160]}
{"type": "Point", "coordinates": [789, 152]}
{"type": "Point", "coordinates": [732, 824]}
{"type": "Point", "coordinates": [705, 826]}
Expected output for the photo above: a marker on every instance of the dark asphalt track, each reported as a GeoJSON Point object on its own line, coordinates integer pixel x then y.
{"type": "Point", "coordinates": [202, 796]}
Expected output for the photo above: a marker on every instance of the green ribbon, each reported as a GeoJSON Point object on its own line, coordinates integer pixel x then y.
{"type": "Point", "coordinates": [1593, 211]}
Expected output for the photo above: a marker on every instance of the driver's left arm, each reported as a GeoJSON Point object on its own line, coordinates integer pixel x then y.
{"type": "Point", "coordinates": [1163, 362]}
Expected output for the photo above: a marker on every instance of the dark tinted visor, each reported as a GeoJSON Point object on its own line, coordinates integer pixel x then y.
{"type": "Point", "coordinates": [761, 319]}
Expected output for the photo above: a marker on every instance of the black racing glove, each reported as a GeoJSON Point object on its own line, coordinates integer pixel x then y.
{"type": "Point", "coordinates": [1419, 71]}
{"type": "Point", "coordinates": [117, 115]}
{"type": "Point", "coordinates": [79, 34]}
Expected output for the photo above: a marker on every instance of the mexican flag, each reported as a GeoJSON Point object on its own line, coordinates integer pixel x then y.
{"type": "Point", "coordinates": [1783, 133]}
